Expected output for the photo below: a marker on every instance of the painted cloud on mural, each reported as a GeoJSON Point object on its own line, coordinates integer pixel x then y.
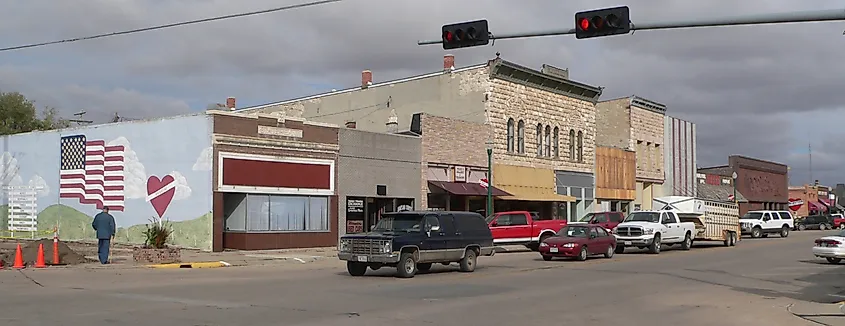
{"type": "Point", "coordinates": [42, 189]}
{"type": "Point", "coordinates": [183, 191]}
{"type": "Point", "coordinates": [203, 162]}
{"type": "Point", "coordinates": [134, 173]}
{"type": "Point", "coordinates": [9, 170]}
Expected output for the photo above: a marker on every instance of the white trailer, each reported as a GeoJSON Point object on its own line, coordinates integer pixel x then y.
{"type": "Point", "coordinates": [714, 220]}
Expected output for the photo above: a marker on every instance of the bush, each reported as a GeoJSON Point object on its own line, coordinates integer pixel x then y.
{"type": "Point", "coordinates": [157, 234]}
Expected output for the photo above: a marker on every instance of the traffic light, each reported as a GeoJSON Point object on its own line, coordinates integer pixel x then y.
{"type": "Point", "coordinates": [602, 22]}
{"type": "Point", "coordinates": [462, 35]}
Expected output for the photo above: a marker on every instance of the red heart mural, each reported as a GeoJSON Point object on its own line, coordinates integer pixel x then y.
{"type": "Point", "coordinates": [162, 200]}
{"type": "Point", "coordinates": [795, 203]}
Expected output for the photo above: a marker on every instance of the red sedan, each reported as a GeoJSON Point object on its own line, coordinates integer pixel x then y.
{"type": "Point", "coordinates": [579, 241]}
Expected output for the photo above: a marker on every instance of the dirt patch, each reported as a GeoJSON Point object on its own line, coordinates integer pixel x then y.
{"type": "Point", "coordinates": [67, 255]}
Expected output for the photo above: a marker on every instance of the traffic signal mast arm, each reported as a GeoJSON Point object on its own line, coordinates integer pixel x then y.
{"type": "Point", "coordinates": [761, 19]}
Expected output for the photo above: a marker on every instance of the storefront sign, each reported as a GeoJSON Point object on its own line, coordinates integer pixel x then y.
{"type": "Point", "coordinates": [354, 205]}
{"type": "Point", "coordinates": [460, 174]}
{"type": "Point", "coordinates": [354, 226]}
{"type": "Point", "coordinates": [404, 208]}
{"type": "Point", "coordinates": [795, 203]}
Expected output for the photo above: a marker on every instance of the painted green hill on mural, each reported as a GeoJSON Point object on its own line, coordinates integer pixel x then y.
{"type": "Point", "coordinates": [75, 225]}
{"type": "Point", "coordinates": [194, 233]}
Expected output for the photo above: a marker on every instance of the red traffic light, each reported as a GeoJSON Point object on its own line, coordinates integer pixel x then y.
{"type": "Point", "coordinates": [584, 24]}
{"type": "Point", "coordinates": [448, 37]}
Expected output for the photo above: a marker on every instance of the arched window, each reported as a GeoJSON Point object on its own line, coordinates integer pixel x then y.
{"type": "Point", "coordinates": [572, 144]}
{"type": "Point", "coordinates": [520, 136]}
{"type": "Point", "coordinates": [548, 141]}
{"type": "Point", "coordinates": [539, 139]}
{"type": "Point", "coordinates": [580, 146]}
{"type": "Point", "coordinates": [556, 142]}
{"type": "Point", "coordinates": [510, 135]}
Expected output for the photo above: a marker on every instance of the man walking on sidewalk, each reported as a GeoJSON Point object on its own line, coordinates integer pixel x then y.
{"type": "Point", "coordinates": [105, 227]}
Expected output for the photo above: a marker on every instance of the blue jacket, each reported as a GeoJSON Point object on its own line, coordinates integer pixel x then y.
{"type": "Point", "coordinates": [104, 225]}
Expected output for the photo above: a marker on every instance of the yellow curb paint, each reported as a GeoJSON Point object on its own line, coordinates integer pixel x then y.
{"type": "Point", "coordinates": [210, 264]}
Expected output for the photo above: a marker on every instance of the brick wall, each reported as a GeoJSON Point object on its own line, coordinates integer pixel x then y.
{"type": "Point", "coordinates": [511, 100]}
{"type": "Point", "coordinates": [450, 141]}
{"type": "Point", "coordinates": [613, 124]}
{"type": "Point", "coordinates": [647, 141]}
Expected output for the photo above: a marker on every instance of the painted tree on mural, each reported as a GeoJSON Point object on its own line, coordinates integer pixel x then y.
{"type": "Point", "coordinates": [19, 114]}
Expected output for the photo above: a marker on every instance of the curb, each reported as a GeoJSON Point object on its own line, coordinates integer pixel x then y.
{"type": "Point", "coordinates": [210, 264]}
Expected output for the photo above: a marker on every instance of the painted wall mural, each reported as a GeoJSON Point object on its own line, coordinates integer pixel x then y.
{"type": "Point", "coordinates": [143, 171]}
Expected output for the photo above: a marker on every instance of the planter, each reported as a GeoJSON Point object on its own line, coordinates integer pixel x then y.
{"type": "Point", "coordinates": [157, 256]}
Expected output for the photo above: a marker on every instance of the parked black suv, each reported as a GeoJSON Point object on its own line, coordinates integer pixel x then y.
{"type": "Point", "coordinates": [814, 222]}
{"type": "Point", "coordinates": [412, 241]}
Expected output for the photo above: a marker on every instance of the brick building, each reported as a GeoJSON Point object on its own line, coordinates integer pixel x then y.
{"type": "Point", "coordinates": [635, 124]}
{"type": "Point", "coordinates": [274, 182]}
{"type": "Point", "coordinates": [763, 184]}
{"type": "Point", "coordinates": [541, 124]}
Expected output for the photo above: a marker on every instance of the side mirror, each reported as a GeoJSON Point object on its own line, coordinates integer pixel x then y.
{"type": "Point", "coordinates": [372, 227]}
{"type": "Point", "coordinates": [435, 228]}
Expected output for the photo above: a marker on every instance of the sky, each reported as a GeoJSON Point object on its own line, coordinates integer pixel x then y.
{"type": "Point", "coordinates": [769, 92]}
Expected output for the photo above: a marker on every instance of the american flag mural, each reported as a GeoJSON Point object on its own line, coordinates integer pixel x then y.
{"type": "Point", "coordinates": [91, 172]}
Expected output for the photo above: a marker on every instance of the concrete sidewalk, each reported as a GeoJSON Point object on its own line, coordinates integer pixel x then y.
{"type": "Point", "coordinates": [824, 314]}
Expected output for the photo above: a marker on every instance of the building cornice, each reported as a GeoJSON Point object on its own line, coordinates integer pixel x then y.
{"type": "Point", "coordinates": [515, 73]}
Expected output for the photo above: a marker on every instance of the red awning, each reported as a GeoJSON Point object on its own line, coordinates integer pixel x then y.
{"type": "Point", "coordinates": [466, 188]}
{"type": "Point", "coordinates": [816, 207]}
{"type": "Point", "coordinates": [825, 201]}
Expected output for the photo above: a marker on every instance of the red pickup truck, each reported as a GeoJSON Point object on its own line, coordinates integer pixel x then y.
{"type": "Point", "coordinates": [607, 220]}
{"type": "Point", "coordinates": [522, 228]}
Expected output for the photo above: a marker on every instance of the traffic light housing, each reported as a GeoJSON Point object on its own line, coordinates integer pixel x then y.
{"type": "Point", "coordinates": [602, 22]}
{"type": "Point", "coordinates": [462, 35]}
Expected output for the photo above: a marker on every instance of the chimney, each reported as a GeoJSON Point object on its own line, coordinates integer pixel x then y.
{"type": "Point", "coordinates": [350, 124]}
{"type": "Point", "coordinates": [392, 122]}
{"type": "Point", "coordinates": [448, 62]}
{"type": "Point", "coordinates": [366, 78]}
{"type": "Point", "coordinates": [230, 103]}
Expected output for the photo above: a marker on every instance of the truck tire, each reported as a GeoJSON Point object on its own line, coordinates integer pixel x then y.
{"type": "Point", "coordinates": [620, 249]}
{"type": "Point", "coordinates": [728, 239]}
{"type": "Point", "coordinates": [687, 244]}
{"type": "Point", "coordinates": [468, 263]}
{"type": "Point", "coordinates": [823, 227]}
{"type": "Point", "coordinates": [407, 266]}
{"type": "Point", "coordinates": [356, 268]}
{"type": "Point", "coordinates": [756, 232]}
{"type": "Point", "coordinates": [784, 231]}
{"type": "Point", "coordinates": [654, 247]}
{"type": "Point", "coordinates": [802, 227]}
{"type": "Point", "coordinates": [834, 260]}
{"type": "Point", "coordinates": [734, 238]}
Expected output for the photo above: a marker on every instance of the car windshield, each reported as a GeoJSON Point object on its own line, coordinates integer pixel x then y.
{"type": "Point", "coordinates": [587, 217]}
{"type": "Point", "coordinates": [574, 232]}
{"type": "Point", "coordinates": [399, 223]}
{"type": "Point", "coordinates": [489, 218]}
{"type": "Point", "coordinates": [752, 216]}
{"type": "Point", "coordinates": [653, 217]}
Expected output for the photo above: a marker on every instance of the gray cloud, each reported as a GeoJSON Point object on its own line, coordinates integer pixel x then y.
{"type": "Point", "coordinates": [747, 88]}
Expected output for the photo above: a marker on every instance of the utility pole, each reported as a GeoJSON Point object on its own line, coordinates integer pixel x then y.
{"type": "Point", "coordinates": [758, 19]}
{"type": "Point", "coordinates": [810, 155]}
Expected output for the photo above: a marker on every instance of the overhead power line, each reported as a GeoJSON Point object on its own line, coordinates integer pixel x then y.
{"type": "Point", "coordinates": [152, 28]}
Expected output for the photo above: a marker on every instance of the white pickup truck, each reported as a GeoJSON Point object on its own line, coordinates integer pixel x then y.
{"type": "Point", "coordinates": [653, 229]}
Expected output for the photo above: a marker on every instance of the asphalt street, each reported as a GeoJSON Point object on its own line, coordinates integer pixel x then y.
{"type": "Point", "coordinates": [750, 284]}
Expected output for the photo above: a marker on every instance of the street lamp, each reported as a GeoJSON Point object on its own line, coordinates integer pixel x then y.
{"type": "Point", "coordinates": [489, 178]}
{"type": "Point", "coordinates": [734, 176]}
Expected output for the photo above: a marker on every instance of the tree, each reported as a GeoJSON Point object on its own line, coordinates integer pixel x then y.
{"type": "Point", "coordinates": [18, 114]}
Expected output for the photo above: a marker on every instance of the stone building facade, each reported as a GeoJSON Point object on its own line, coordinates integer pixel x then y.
{"type": "Point", "coordinates": [764, 184]}
{"type": "Point", "coordinates": [539, 121]}
{"type": "Point", "coordinates": [636, 124]}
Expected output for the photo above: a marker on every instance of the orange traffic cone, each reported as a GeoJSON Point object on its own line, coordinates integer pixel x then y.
{"type": "Point", "coordinates": [39, 261]}
{"type": "Point", "coordinates": [55, 246]}
{"type": "Point", "coordinates": [18, 258]}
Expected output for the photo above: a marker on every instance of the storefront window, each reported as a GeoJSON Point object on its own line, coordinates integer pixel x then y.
{"type": "Point", "coordinates": [276, 213]}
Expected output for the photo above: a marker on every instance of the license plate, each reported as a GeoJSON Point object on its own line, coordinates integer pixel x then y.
{"type": "Point", "coordinates": [362, 259]}
{"type": "Point", "coordinates": [552, 249]}
{"type": "Point", "coordinates": [628, 243]}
